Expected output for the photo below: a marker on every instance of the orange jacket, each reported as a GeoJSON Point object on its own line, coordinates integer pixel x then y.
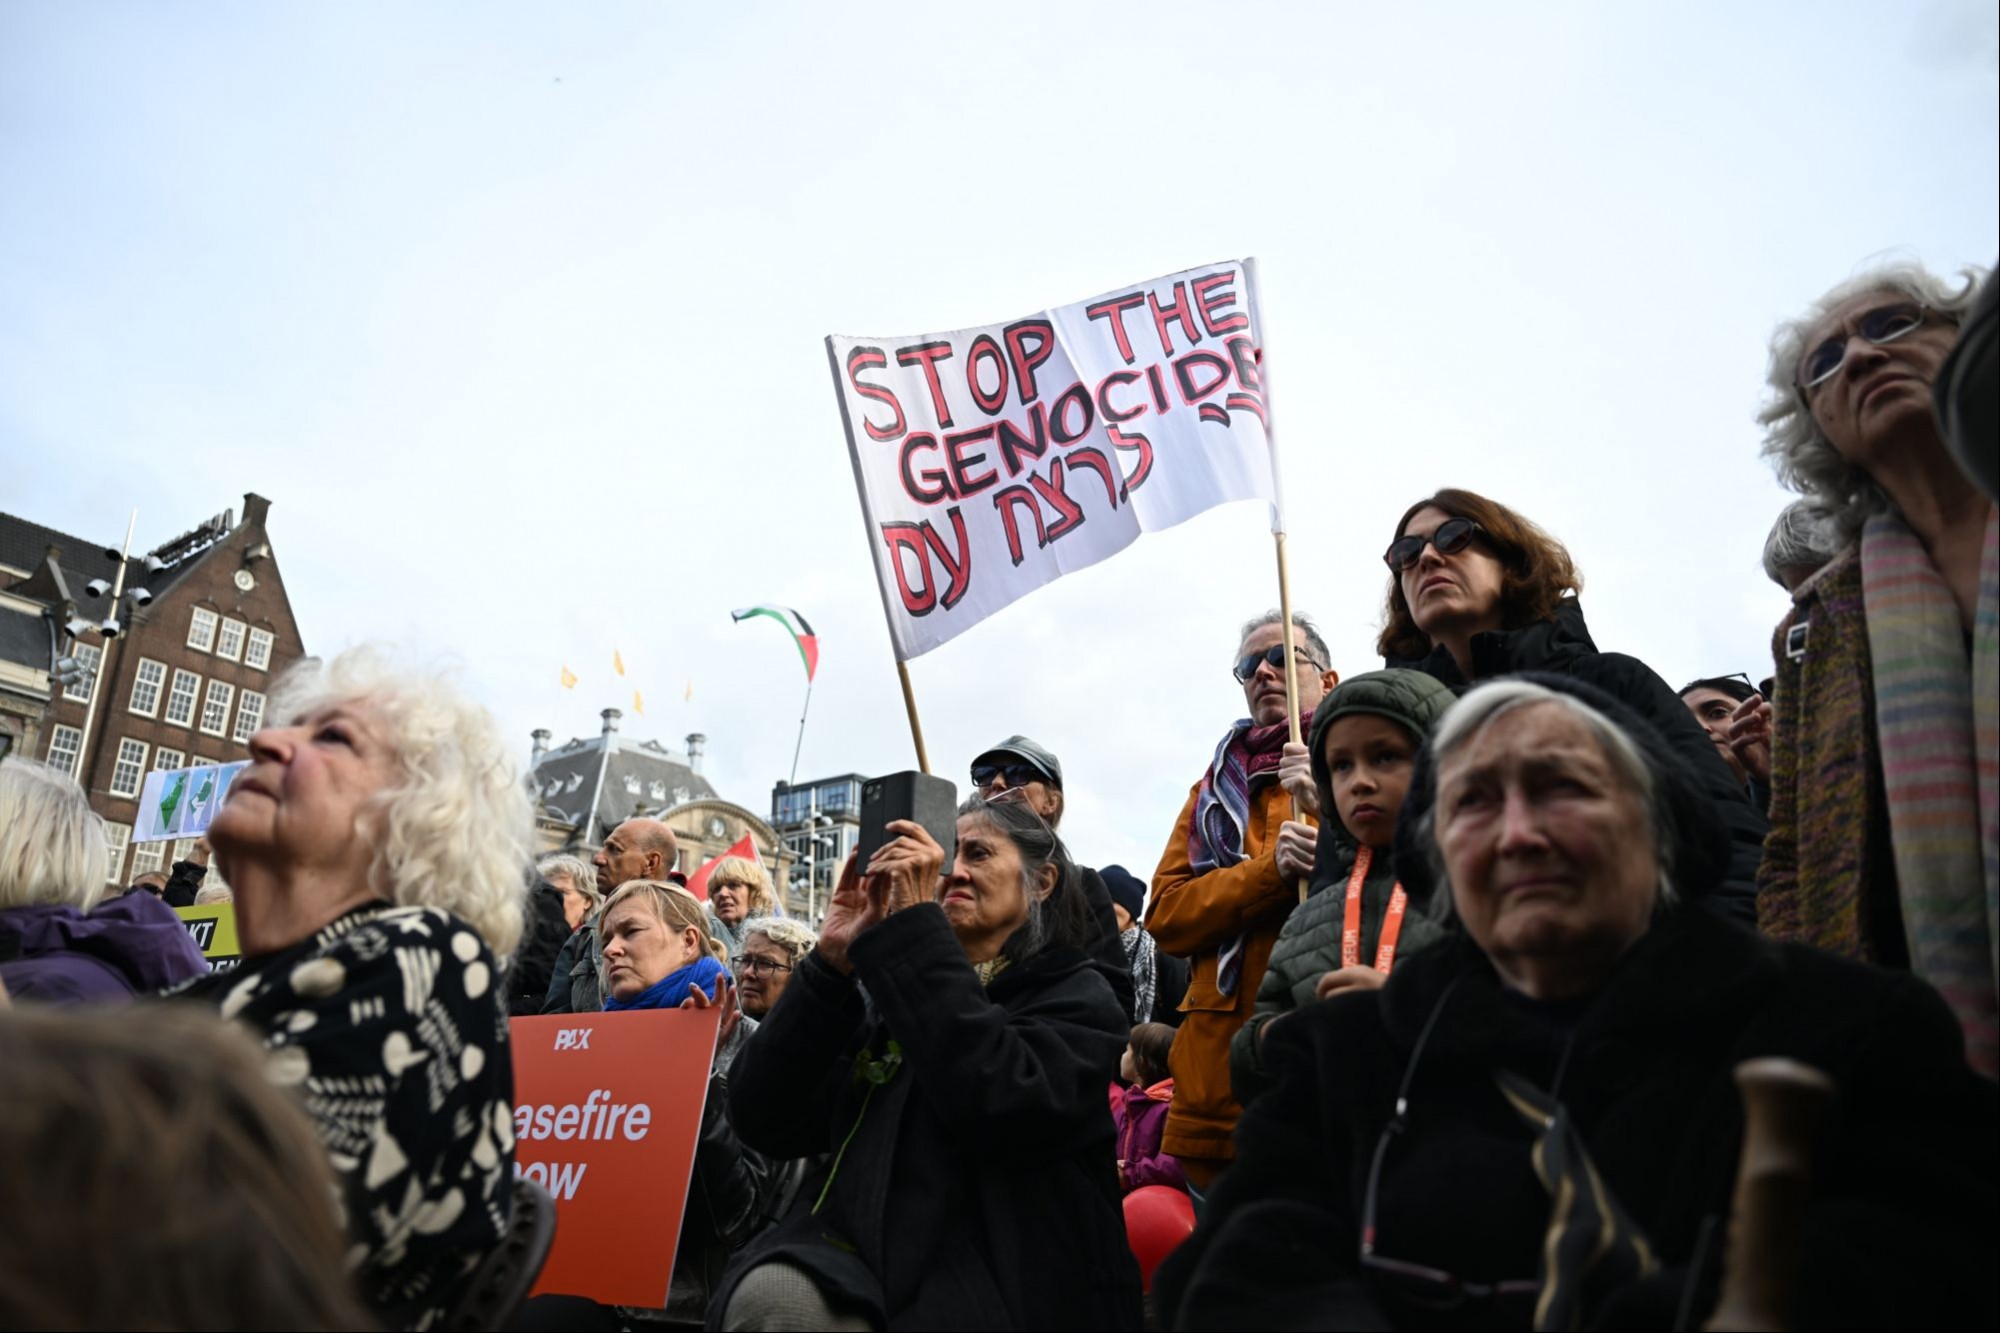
{"type": "Point", "coordinates": [1193, 916]}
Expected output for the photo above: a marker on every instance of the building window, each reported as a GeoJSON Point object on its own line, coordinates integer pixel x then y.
{"type": "Point", "coordinates": [146, 858]}
{"type": "Point", "coordinates": [115, 838]}
{"type": "Point", "coordinates": [146, 683]}
{"type": "Point", "coordinates": [229, 643]}
{"type": "Point", "coordinates": [64, 742]}
{"type": "Point", "coordinates": [658, 790]}
{"type": "Point", "coordinates": [88, 656]}
{"type": "Point", "coordinates": [183, 848]}
{"type": "Point", "coordinates": [632, 783]}
{"type": "Point", "coordinates": [201, 629]}
{"type": "Point", "coordinates": [203, 761]}
{"type": "Point", "coordinates": [130, 770]}
{"type": "Point", "coordinates": [166, 761]}
{"type": "Point", "coordinates": [215, 707]}
{"type": "Point", "coordinates": [259, 653]}
{"type": "Point", "coordinates": [249, 715]}
{"type": "Point", "coordinates": [180, 699]}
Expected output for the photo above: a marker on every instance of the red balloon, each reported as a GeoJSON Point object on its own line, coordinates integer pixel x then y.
{"type": "Point", "coordinates": [1157, 1218]}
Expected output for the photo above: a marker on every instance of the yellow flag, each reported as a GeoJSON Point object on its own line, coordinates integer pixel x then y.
{"type": "Point", "coordinates": [568, 679]}
{"type": "Point", "coordinates": [638, 704]}
{"type": "Point", "coordinates": [689, 696]}
{"type": "Point", "coordinates": [617, 662]}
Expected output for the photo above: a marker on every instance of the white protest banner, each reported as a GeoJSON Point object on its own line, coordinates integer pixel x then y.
{"type": "Point", "coordinates": [180, 802]}
{"type": "Point", "coordinates": [994, 460]}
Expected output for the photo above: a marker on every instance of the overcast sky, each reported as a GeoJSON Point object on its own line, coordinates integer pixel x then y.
{"type": "Point", "coordinates": [515, 313]}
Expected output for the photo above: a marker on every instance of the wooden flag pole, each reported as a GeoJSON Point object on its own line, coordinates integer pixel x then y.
{"type": "Point", "coordinates": [910, 706]}
{"type": "Point", "coordinates": [1291, 665]}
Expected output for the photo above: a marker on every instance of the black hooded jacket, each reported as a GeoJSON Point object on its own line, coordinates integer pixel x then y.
{"type": "Point", "coordinates": [1902, 1217]}
{"type": "Point", "coordinates": [1563, 647]}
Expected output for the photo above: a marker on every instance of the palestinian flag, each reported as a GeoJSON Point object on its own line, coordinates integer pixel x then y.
{"type": "Point", "coordinates": [794, 622]}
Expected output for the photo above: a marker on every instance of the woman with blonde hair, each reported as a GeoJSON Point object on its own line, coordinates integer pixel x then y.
{"type": "Point", "coordinates": [60, 943]}
{"type": "Point", "coordinates": [376, 845]}
{"type": "Point", "coordinates": [738, 890]}
{"type": "Point", "coordinates": [658, 954]}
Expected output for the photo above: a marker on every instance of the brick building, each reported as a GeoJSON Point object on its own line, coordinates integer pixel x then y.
{"type": "Point", "coordinates": [185, 682]}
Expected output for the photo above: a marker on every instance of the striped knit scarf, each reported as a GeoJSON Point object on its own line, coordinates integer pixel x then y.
{"type": "Point", "coordinates": [1141, 959]}
{"type": "Point", "coordinates": [1938, 723]}
{"type": "Point", "coordinates": [1248, 756]}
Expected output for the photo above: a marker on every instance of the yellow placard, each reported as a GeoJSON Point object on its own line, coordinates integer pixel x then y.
{"type": "Point", "coordinates": [213, 926]}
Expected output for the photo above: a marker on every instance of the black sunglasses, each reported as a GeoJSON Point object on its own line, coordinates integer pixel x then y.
{"type": "Point", "coordinates": [1452, 536]}
{"type": "Point", "coordinates": [1884, 324]}
{"type": "Point", "coordinates": [1017, 774]}
{"type": "Point", "coordinates": [1246, 665]}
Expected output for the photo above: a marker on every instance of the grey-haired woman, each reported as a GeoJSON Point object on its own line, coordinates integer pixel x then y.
{"type": "Point", "coordinates": [1886, 727]}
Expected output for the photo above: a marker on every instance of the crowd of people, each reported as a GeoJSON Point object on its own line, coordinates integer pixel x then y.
{"type": "Point", "coordinates": [1433, 1019]}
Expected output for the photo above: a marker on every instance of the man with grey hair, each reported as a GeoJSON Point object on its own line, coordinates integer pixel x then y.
{"type": "Point", "coordinates": [1225, 884]}
{"type": "Point", "coordinates": [636, 849]}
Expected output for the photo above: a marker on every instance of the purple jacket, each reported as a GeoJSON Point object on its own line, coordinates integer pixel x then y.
{"type": "Point", "coordinates": [1141, 1116]}
{"type": "Point", "coordinates": [58, 955]}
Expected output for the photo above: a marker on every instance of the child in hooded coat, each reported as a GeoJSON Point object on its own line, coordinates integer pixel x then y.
{"type": "Point", "coordinates": [1139, 1109]}
{"type": "Point", "coordinates": [1365, 737]}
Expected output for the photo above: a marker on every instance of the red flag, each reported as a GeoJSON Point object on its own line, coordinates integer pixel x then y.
{"type": "Point", "coordinates": [698, 882]}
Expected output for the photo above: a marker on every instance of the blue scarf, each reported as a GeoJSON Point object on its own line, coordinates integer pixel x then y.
{"type": "Point", "coordinates": [670, 990]}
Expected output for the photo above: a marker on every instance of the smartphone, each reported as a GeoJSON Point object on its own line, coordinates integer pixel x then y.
{"type": "Point", "coordinates": [922, 798]}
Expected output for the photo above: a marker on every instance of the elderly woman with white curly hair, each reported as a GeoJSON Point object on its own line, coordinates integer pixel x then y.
{"type": "Point", "coordinates": [1885, 819]}
{"type": "Point", "coordinates": [377, 845]}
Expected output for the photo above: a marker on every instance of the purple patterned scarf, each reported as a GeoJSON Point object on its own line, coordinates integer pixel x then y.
{"type": "Point", "coordinates": [1246, 759]}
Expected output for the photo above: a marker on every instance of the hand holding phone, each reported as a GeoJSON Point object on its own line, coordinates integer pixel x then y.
{"type": "Point", "coordinates": [905, 870]}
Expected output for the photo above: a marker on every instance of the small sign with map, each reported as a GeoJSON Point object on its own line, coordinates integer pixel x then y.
{"type": "Point", "coordinates": [180, 802]}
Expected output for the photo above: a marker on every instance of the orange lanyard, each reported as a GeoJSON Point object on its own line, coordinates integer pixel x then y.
{"type": "Point", "coordinates": [1392, 920]}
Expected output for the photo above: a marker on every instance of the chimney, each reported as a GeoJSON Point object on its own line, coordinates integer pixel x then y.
{"type": "Point", "coordinates": [611, 716]}
{"type": "Point", "coordinates": [255, 507]}
{"type": "Point", "coordinates": [541, 736]}
{"type": "Point", "coordinates": [695, 742]}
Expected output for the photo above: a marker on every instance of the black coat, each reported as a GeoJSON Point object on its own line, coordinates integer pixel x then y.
{"type": "Point", "coordinates": [1107, 948]}
{"type": "Point", "coordinates": [534, 962]}
{"type": "Point", "coordinates": [1902, 1226]}
{"type": "Point", "coordinates": [1170, 984]}
{"type": "Point", "coordinates": [1563, 646]}
{"type": "Point", "coordinates": [978, 1188]}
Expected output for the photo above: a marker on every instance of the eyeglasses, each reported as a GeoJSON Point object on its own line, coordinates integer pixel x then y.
{"type": "Point", "coordinates": [750, 965]}
{"type": "Point", "coordinates": [1420, 1284]}
{"type": "Point", "coordinates": [1884, 324]}
{"type": "Point", "coordinates": [1274, 656]}
{"type": "Point", "coordinates": [1017, 775]}
{"type": "Point", "coordinates": [1452, 536]}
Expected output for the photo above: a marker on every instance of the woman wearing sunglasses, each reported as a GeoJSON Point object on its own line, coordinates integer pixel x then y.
{"type": "Point", "coordinates": [1535, 1122]}
{"type": "Point", "coordinates": [1883, 805]}
{"type": "Point", "coordinates": [1477, 591]}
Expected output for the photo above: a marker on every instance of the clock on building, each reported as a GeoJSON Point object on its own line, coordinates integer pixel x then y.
{"type": "Point", "coordinates": [245, 580]}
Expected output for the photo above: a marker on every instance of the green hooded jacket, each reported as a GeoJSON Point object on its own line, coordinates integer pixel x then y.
{"type": "Point", "coordinates": [1309, 945]}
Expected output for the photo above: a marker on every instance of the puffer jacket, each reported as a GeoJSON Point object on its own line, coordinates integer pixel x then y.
{"type": "Point", "coordinates": [1563, 646]}
{"type": "Point", "coordinates": [1309, 945]}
